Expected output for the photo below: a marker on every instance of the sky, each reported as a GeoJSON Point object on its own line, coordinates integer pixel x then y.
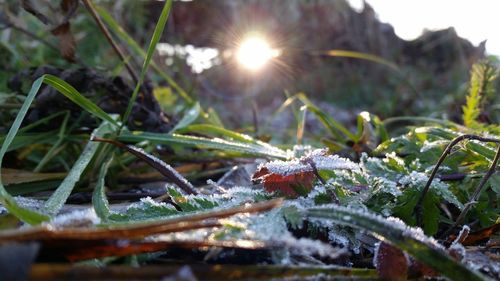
{"type": "Point", "coordinates": [476, 20]}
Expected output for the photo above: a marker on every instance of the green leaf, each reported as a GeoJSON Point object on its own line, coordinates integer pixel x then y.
{"type": "Point", "coordinates": [189, 117]}
{"type": "Point", "coordinates": [431, 213]}
{"type": "Point", "coordinates": [396, 233]}
{"type": "Point", "coordinates": [479, 148]}
{"type": "Point", "coordinates": [99, 200]}
{"type": "Point", "coordinates": [483, 75]}
{"type": "Point", "coordinates": [293, 216]}
{"type": "Point", "coordinates": [160, 25]}
{"type": "Point", "coordinates": [263, 150]}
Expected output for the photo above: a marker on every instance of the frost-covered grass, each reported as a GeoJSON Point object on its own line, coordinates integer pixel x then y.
{"type": "Point", "coordinates": [369, 193]}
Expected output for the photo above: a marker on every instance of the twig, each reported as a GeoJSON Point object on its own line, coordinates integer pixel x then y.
{"type": "Point", "coordinates": [418, 207]}
{"type": "Point", "coordinates": [162, 167]}
{"type": "Point", "coordinates": [90, 7]}
{"type": "Point", "coordinates": [59, 271]}
{"type": "Point", "coordinates": [475, 196]}
{"type": "Point", "coordinates": [9, 24]}
{"type": "Point", "coordinates": [138, 230]}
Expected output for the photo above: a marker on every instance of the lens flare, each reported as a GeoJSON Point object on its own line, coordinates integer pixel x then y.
{"type": "Point", "coordinates": [255, 52]}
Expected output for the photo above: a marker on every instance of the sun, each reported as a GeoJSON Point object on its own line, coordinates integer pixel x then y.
{"type": "Point", "coordinates": [255, 52]}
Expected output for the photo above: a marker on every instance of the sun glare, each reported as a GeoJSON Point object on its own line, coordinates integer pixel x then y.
{"type": "Point", "coordinates": [255, 52]}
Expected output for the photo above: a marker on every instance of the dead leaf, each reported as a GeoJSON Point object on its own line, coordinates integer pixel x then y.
{"type": "Point", "coordinates": [14, 176]}
{"type": "Point", "coordinates": [162, 167]}
{"type": "Point", "coordinates": [481, 235]}
{"type": "Point", "coordinates": [30, 8]}
{"type": "Point", "coordinates": [292, 185]}
{"type": "Point", "coordinates": [391, 263]}
{"type": "Point", "coordinates": [67, 44]}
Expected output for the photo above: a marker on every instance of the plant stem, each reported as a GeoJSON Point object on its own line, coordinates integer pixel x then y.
{"type": "Point", "coordinates": [90, 7]}
{"type": "Point", "coordinates": [475, 196]}
{"type": "Point", "coordinates": [418, 207]}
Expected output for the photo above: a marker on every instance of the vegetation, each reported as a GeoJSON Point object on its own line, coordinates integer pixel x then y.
{"type": "Point", "coordinates": [380, 199]}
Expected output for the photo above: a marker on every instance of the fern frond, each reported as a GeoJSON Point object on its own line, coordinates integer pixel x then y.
{"type": "Point", "coordinates": [481, 86]}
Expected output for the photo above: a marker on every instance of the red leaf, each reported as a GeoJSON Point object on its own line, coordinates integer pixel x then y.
{"type": "Point", "coordinates": [391, 263]}
{"type": "Point", "coordinates": [289, 185]}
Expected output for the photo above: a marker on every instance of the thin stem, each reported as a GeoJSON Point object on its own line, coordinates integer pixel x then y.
{"type": "Point", "coordinates": [90, 7]}
{"type": "Point", "coordinates": [418, 207]}
{"type": "Point", "coordinates": [28, 33]}
{"type": "Point", "coordinates": [475, 196]}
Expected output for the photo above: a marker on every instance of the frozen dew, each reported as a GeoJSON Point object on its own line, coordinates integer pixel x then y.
{"type": "Point", "coordinates": [25, 202]}
{"type": "Point", "coordinates": [389, 223]}
{"type": "Point", "coordinates": [78, 218]}
{"type": "Point", "coordinates": [321, 161]}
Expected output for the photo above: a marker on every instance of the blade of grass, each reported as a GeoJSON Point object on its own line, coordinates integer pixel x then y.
{"type": "Point", "coordinates": [213, 131]}
{"type": "Point", "coordinates": [54, 271]}
{"type": "Point", "coordinates": [213, 118]}
{"type": "Point", "coordinates": [189, 117]}
{"type": "Point", "coordinates": [51, 152]}
{"type": "Point", "coordinates": [71, 93]}
{"type": "Point", "coordinates": [362, 56]}
{"type": "Point", "coordinates": [219, 144]}
{"type": "Point", "coordinates": [113, 25]}
{"type": "Point", "coordinates": [26, 215]}
{"type": "Point", "coordinates": [336, 129]}
{"type": "Point", "coordinates": [14, 176]}
{"type": "Point", "coordinates": [28, 139]}
{"type": "Point", "coordinates": [162, 167]}
{"type": "Point", "coordinates": [301, 124]}
{"type": "Point", "coordinates": [373, 58]}
{"type": "Point", "coordinates": [160, 25]}
{"type": "Point", "coordinates": [99, 200]}
{"type": "Point", "coordinates": [39, 122]}
{"type": "Point", "coordinates": [395, 232]}
{"type": "Point", "coordinates": [61, 194]}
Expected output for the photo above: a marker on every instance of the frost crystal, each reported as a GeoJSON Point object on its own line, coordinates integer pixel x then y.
{"type": "Point", "coordinates": [321, 161]}
{"type": "Point", "coordinates": [79, 218]}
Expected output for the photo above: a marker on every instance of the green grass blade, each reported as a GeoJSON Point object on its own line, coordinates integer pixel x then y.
{"type": "Point", "coordinates": [395, 232]}
{"type": "Point", "coordinates": [215, 131]}
{"type": "Point", "coordinates": [29, 138]}
{"type": "Point", "coordinates": [71, 93]}
{"type": "Point", "coordinates": [99, 200]}
{"type": "Point", "coordinates": [301, 124]}
{"type": "Point", "coordinates": [113, 25]}
{"type": "Point", "coordinates": [160, 25]}
{"type": "Point", "coordinates": [213, 118]}
{"type": "Point", "coordinates": [26, 215]}
{"type": "Point", "coordinates": [52, 150]}
{"type": "Point", "coordinates": [479, 148]}
{"type": "Point", "coordinates": [59, 197]}
{"type": "Point", "coordinates": [335, 128]}
{"type": "Point", "coordinates": [41, 121]}
{"type": "Point", "coordinates": [263, 150]}
{"type": "Point", "coordinates": [189, 117]}
{"type": "Point", "coordinates": [362, 56]}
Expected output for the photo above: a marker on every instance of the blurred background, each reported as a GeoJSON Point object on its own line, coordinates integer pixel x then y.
{"type": "Point", "coordinates": [288, 47]}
